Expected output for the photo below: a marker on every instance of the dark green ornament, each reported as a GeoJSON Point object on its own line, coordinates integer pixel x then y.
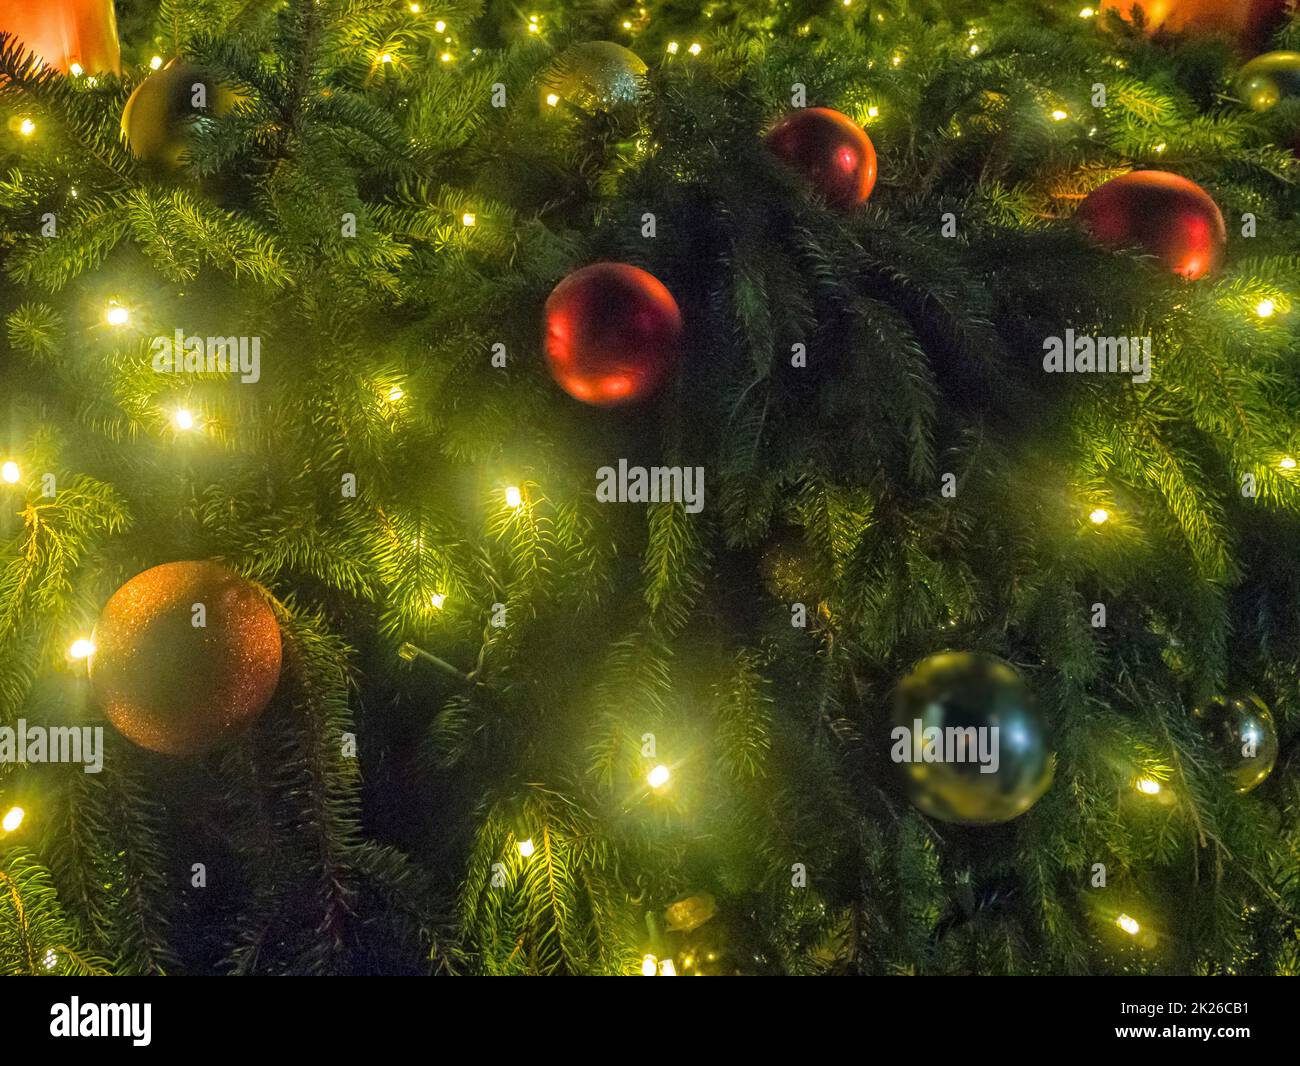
{"type": "Point", "coordinates": [943, 742]}
{"type": "Point", "coordinates": [594, 76]}
{"type": "Point", "coordinates": [1241, 730]}
{"type": "Point", "coordinates": [1266, 79]}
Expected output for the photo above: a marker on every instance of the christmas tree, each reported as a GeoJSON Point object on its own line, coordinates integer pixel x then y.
{"type": "Point", "coordinates": [615, 488]}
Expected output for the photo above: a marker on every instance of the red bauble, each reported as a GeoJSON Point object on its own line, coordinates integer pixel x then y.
{"type": "Point", "coordinates": [612, 334]}
{"type": "Point", "coordinates": [175, 687]}
{"type": "Point", "coordinates": [830, 150]}
{"type": "Point", "coordinates": [1170, 217]}
{"type": "Point", "coordinates": [63, 32]}
{"type": "Point", "coordinates": [1245, 21]}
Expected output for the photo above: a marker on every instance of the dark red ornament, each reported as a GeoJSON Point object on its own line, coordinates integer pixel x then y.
{"type": "Point", "coordinates": [612, 334]}
{"type": "Point", "coordinates": [175, 678]}
{"type": "Point", "coordinates": [1172, 218]}
{"type": "Point", "coordinates": [830, 150]}
{"type": "Point", "coordinates": [1247, 22]}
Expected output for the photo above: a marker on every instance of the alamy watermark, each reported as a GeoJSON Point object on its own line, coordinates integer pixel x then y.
{"type": "Point", "coordinates": [53, 744]}
{"type": "Point", "coordinates": [656, 484]}
{"type": "Point", "coordinates": [1074, 354]}
{"type": "Point", "coordinates": [180, 354]}
{"type": "Point", "coordinates": [952, 744]}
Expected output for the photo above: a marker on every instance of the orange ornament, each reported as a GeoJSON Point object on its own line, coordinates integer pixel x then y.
{"type": "Point", "coordinates": [184, 654]}
{"type": "Point", "coordinates": [1245, 21]}
{"type": "Point", "coordinates": [64, 32]}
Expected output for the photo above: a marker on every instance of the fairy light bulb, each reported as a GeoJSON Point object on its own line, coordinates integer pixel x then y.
{"type": "Point", "coordinates": [514, 498]}
{"type": "Point", "coordinates": [552, 99]}
{"type": "Point", "coordinates": [1099, 516]}
{"type": "Point", "coordinates": [1287, 463]}
{"type": "Point", "coordinates": [386, 58]}
{"type": "Point", "coordinates": [527, 847]}
{"type": "Point", "coordinates": [1265, 308]}
{"type": "Point", "coordinates": [10, 472]}
{"type": "Point", "coordinates": [27, 127]}
{"type": "Point", "coordinates": [395, 394]}
{"type": "Point", "coordinates": [672, 48]}
{"type": "Point", "coordinates": [438, 599]}
{"type": "Point", "coordinates": [13, 819]}
{"type": "Point", "coordinates": [183, 419]}
{"type": "Point", "coordinates": [649, 966]}
{"type": "Point", "coordinates": [1060, 116]}
{"type": "Point", "coordinates": [1129, 925]}
{"type": "Point", "coordinates": [415, 9]}
{"type": "Point", "coordinates": [76, 70]}
{"type": "Point", "coordinates": [82, 648]}
{"type": "Point", "coordinates": [696, 48]}
{"type": "Point", "coordinates": [469, 219]}
{"type": "Point", "coordinates": [156, 63]}
{"type": "Point", "coordinates": [1087, 13]}
{"type": "Point", "coordinates": [439, 26]}
{"type": "Point", "coordinates": [658, 777]}
{"type": "Point", "coordinates": [1148, 786]}
{"type": "Point", "coordinates": [667, 969]}
{"type": "Point", "coordinates": [117, 315]}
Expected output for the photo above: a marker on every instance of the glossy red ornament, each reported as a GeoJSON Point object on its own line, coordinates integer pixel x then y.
{"type": "Point", "coordinates": [612, 334]}
{"type": "Point", "coordinates": [1247, 22]}
{"type": "Point", "coordinates": [64, 32]}
{"type": "Point", "coordinates": [1172, 218]}
{"type": "Point", "coordinates": [830, 150]}
{"type": "Point", "coordinates": [175, 687]}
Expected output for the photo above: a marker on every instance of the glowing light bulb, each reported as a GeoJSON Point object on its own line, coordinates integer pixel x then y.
{"type": "Point", "coordinates": [695, 48]}
{"type": "Point", "coordinates": [1148, 786]}
{"type": "Point", "coordinates": [438, 599]}
{"type": "Point", "coordinates": [183, 419]}
{"type": "Point", "coordinates": [873, 111]}
{"type": "Point", "coordinates": [974, 49]}
{"type": "Point", "coordinates": [439, 26]}
{"type": "Point", "coordinates": [395, 394]}
{"type": "Point", "coordinates": [896, 61]}
{"type": "Point", "coordinates": [527, 847]}
{"type": "Point", "coordinates": [667, 969]}
{"type": "Point", "coordinates": [117, 315]}
{"type": "Point", "coordinates": [1265, 308]}
{"type": "Point", "coordinates": [387, 57]}
{"type": "Point", "coordinates": [1099, 516]}
{"type": "Point", "coordinates": [649, 966]}
{"type": "Point", "coordinates": [469, 219]}
{"type": "Point", "coordinates": [445, 57]}
{"type": "Point", "coordinates": [552, 99]}
{"type": "Point", "coordinates": [51, 959]}
{"type": "Point", "coordinates": [27, 127]}
{"type": "Point", "coordinates": [415, 9]}
{"type": "Point", "coordinates": [1060, 116]}
{"type": "Point", "coordinates": [156, 63]}
{"type": "Point", "coordinates": [10, 472]}
{"type": "Point", "coordinates": [13, 819]}
{"type": "Point", "coordinates": [1161, 147]}
{"type": "Point", "coordinates": [1087, 13]}
{"type": "Point", "coordinates": [82, 649]}
{"type": "Point", "coordinates": [627, 25]}
{"type": "Point", "coordinates": [514, 498]}
{"type": "Point", "coordinates": [658, 777]}
{"type": "Point", "coordinates": [1287, 463]}
{"type": "Point", "coordinates": [672, 48]}
{"type": "Point", "coordinates": [1129, 925]}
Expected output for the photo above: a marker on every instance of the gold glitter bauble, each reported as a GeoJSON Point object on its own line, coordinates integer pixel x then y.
{"type": "Point", "coordinates": [174, 686]}
{"type": "Point", "coordinates": [159, 116]}
{"type": "Point", "coordinates": [594, 76]}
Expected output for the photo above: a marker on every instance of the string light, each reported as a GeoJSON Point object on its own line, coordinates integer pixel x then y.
{"type": "Point", "coordinates": [13, 819]}
{"type": "Point", "coordinates": [156, 63]}
{"type": "Point", "coordinates": [1287, 463]}
{"type": "Point", "coordinates": [386, 58]}
{"type": "Point", "coordinates": [415, 9]}
{"type": "Point", "coordinates": [695, 48]}
{"type": "Point", "coordinates": [1147, 786]}
{"type": "Point", "coordinates": [514, 498]}
{"type": "Point", "coordinates": [1099, 516]}
{"type": "Point", "coordinates": [439, 26]}
{"type": "Point", "coordinates": [873, 111]}
{"type": "Point", "coordinates": [82, 648]}
{"type": "Point", "coordinates": [1265, 308]}
{"type": "Point", "coordinates": [552, 99]}
{"type": "Point", "coordinates": [10, 472]}
{"type": "Point", "coordinates": [1060, 116]}
{"type": "Point", "coordinates": [1161, 147]}
{"type": "Point", "coordinates": [1087, 13]}
{"type": "Point", "coordinates": [469, 219]}
{"type": "Point", "coordinates": [395, 394]}
{"type": "Point", "coordinates": [527, 847]}
{"type": "Point", "coordinates": [183, 419]}
{"type": "Point", "coordinates": [649, 966]}
{"type": "Point", "coordinates": [1129, 925]}
{"type": "Point", "coordinates": [658, 777]}
{"type": "Point", "coordinates": [667, 969]}
{"type": "Point", "coordinates": [672, 48]}
{"type": "Point", "coordinates": [117, 315]}
{"type": "Point", "coordinates": [445, 57]}
{"type": "Point", "coordinates": [27, 127]}
{"type": "Point", "coordinates": [438, 599]}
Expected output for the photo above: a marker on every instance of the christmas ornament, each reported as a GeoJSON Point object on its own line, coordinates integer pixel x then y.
{"type": "Point", "coordinates": [1245, 21]}
{"type": "Point", "coordinates": [789, 568]}
{"type": "Point", "coordinates": [594, 76]}
{"type": "Point", "coordinates": [184, 653]}
{"type": "Point", "coordinates": [967, 740]}
{"type": "Point", "coordinates": [64, 33]}
{"type": "Point", "coordinates": [831, 151]}
{"type": "Point", "coordinates": [728, 945]}
{"type": "Point", "coordinates": [687, 915]}
{"type": "Point", "coordinates": [1169, 217]}
{"type": "Point", "coordinates": [612, 334]}
{"type": "Point", "coordinates": [164, 108]}
{"type": "Point", "coordinates": [1266, 79]}
{"type": "Point", "coordinates": [1241, 730]}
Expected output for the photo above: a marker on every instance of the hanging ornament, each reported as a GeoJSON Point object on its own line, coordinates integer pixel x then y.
{"type": "Point", "coordinates": [789, 568]}
{"type": "Point", "coordinates": [594, 76]}
{"type": "Point", "coordinates": [1245, 21]}
{"type": "Point", "coordinates": [184, 654]}
{"type": "Point", "coordinates": [831, 151]}
{"type": "Point", "coordinates": [1241, 731]}
{"type": "Point", "coordinates": [64, 33]}
{"type": "Point", "coordinates": [612, 334]}
{"type": "Point", "coordinates": [1169, 217]}
{"type": "Point", "coordinates": [687, 915]}
{"type": "Point", "coordinates": [1266, 79]}
{"type": "Point", "coordinates": [162, 112]}
{"type": "Point", "coordinates": [967, 740]}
